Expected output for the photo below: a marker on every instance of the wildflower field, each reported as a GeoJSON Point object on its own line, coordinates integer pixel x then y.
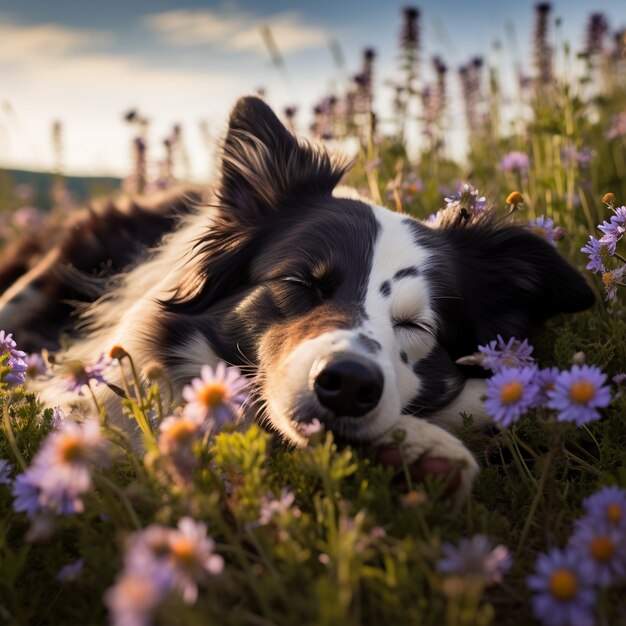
{"type": "Point", "coordinates": [211, 523]}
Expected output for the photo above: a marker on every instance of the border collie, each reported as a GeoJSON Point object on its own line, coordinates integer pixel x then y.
{"type": "Point", "coordinates": [337, 309]}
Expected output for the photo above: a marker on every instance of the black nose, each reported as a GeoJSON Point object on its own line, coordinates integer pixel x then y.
{"type": "Point", "coordinates": [349, 386]}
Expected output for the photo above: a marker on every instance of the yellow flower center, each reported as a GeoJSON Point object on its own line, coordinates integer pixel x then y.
{"type": "Point", "coordinates": [607, 278]}
{"type": "Point", "coordinates": [511, 392]}
{"type": "Point", "coordinates": [602, 548]}
{"type": "Point", "coordinates": [212, 394]}
{"type": "Point", "coordinates": [563, 584]}
{"type": "Point", "coordinates": [614, 513]}
{"type": "Point", "coordinates": [582, 391]}
{"type": "Point", "coordinates": [70, 449]}
{"type": "Point", "coordinates": [515, 197]}
{"type": "Point", "coordinates": [542, 232]}
{"type": "Point", "coordinates": [183, 551]}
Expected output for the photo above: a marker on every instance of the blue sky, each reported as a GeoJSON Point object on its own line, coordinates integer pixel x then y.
{"type": "Point", "coordinates": [87, 62]}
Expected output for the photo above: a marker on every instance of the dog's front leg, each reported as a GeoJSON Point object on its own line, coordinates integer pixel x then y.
{"type": "Point", "coordinates": [429, 450]}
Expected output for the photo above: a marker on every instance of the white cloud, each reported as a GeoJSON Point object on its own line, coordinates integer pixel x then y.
{"type": "Point", "coordinates": [237, 31]}
{"type": "Point", "coordinates": [22, 42]}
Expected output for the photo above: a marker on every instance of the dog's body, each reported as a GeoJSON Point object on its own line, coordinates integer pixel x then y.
{"type": "Point", "coordinates": [336, 309]}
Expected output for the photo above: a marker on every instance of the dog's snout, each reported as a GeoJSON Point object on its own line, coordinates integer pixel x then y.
{"type": "Point", "coordinates": [349, 386]}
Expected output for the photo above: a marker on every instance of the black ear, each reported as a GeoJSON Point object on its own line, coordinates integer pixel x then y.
{"type": "Point", "coordinates": [262, 162]}
{"type": "Point", "coordinates": [509, 280]}
{"type": "Point", "coordinates": [263, 169]}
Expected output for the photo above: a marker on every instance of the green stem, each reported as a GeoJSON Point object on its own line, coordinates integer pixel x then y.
{"type": "Point", "coordinates": [11, 437]}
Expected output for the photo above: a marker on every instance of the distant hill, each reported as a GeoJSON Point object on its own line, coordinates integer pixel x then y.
{"type": "Point", "coordinates": [81, 187]}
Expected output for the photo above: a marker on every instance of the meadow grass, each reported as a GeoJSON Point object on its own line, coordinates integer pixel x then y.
{"type": "Point", "coordinates": [324, 535]}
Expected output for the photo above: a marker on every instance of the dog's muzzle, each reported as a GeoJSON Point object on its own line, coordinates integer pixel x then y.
{"type": "Point", "coordinates": [348, 385]}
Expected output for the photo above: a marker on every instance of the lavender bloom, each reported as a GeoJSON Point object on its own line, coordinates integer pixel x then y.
{"type": "Point", "coordinates": [5, 472]}
{"type": "Point", "coordinates": [476, 557]}
{"type": "Point", "coordinates": [468, 198]}
{"type": "Point", "coordinates": [546, 379]}
{"type": "Point", "coordinates": [607, 506]}
{"type": "Point", "coordinates": [60, 471]}
{"type": "Point", "coordinates": [35, 365]}
{"type": "Point", "coordinates": [271, 506]}
{"type": "Point", "coordinates": [544, 227]}
{"type": "Point", "coordinates": [571, 155]}
{"type": "Point", "coordinates": [15, 360]}
{"type": "Point", "coordinates": [498, 354]}
{"type": "Point", "coordinates": [599, 547]}
{"type": "Point", "coordinates": [613, 230]}
{"type": "Point", "coordinates": [26, 494]}
{"type": "Point", "coordinates": [217, 395]}
{"type": "Point", "coordinates": [563, 595]}
{"type": "Point", "coordinates": [58, 417]}
{"type": "Point", "coordinates": [78, 374]}
{"type": "Point", "coordinates": [511, 392]}
{"type": "Point", "coordinates": [135, 596]}
{"type": "Point", "coordinates": [515, 162]}
{"type": "Point", "coordinates": [611, 280]}
{"type": "Point", "coordinates": [578, 394]}
{"type": "Point", "coordinates": [594, 249]}
{"type": "Point", "coordinates": [70, 572]}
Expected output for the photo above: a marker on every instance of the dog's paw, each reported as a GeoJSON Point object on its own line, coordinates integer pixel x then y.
{"type": "Point", "coordinates": [428, 450]}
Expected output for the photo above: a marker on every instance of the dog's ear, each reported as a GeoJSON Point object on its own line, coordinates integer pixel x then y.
{"type": "Point", "coordinates": [262, 163]}
{"type": "Point", "coordinates": [509, 280]}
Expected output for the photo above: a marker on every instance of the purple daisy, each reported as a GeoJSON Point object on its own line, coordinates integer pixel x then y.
{"type": "Point", "coordinates": [600, 548]}
{"type": "Point", "coordinates": [607, 506]}
{"type": "Point", "coordinates": [218, 395]}
{"type": "Point", "coordinates": [563, 595]}
{"type": "Point", "coordinates": [5, 472]}
{"type": "Point", "coordinates": [35, 365]}
{"type": "Point", "coordinates": [272, 506]}
{"type": "Point", "coordinates": [612, 280]}
{"type": "Point", "coordinates": [511, 392]}
{"type": "Point", "coordinates": [498, 354]}
{"type": "Point", "coordinates": [475, 557]}
{"type": "Point", "coordinates": [546, 380]}
{"type": "Point", "coordinates": [613, 231]}
{"type": "Point", "coordinates": [70, 572]}
{"type": "Point", "coordinates": [78, 374]}
{"type": "Point", "coordinates": [515, 161]}
{"type": "Point", "coordinates": [468, 198]}
{"type": "Point", "coordinates": [578, 394]}
{"type": "Point", "coordinates": [15, 360]}
{"type": "Point", "coordinates": [594, 249]}
{"type": "Point", "coordinates": [26, 495]}
{"type": "Point", "coordinates": [544, 227]}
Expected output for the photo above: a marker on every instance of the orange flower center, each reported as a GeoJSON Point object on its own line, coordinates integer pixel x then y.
{"type": "Point", "coordinates": [70, 449]}
{"type": "Point", "coordinates": [542, 232]}
{"type": "Point", "coordinates": [511, 392]}
{"type": "Point", "coordinates": [582, 391]}
{"type": "Point", "coordinates": [614, 513]}
{"type": "Point", "coordinates": [212, 394]}
{"type": "Point", "coordinates": [602, 548]}
{"type": "Point", "coordinates": [181, 431]}
{"type": "Point", "coordinates": [183, 551]}
{"type": "Point", "coordinates": [563, 584]}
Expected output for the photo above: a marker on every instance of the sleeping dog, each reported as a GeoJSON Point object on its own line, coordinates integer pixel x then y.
{"type": "Point", "coordinates": [337, 309]}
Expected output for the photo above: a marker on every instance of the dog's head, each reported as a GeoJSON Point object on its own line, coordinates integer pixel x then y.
{"type": "Point", "coordinates": [349, 312]}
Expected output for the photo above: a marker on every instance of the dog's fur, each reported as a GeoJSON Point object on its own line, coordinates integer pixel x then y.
{"type": "Point", "coordinates": [308, 291]}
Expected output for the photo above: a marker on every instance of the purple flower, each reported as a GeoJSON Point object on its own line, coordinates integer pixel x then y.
{"type": "Point", "coordinates": [546, 380]}
{"type": "Point", "coordinates": [607, 506]}
{"type": "Point", "coordinates": [15, 361]}
{"type": "Point", "coordinates": [272, 506]}
{"type": "Point", "coordinates": [600, 548]}
{"type": "Point", "coordinates": [563, 595]}
{"type": "Point", "coordinates": [475, 557]}
{"type": "Point", "coordinates": [26, 494]}
{"type": "Point", "coordinates": [218, 395]}
{"type": "Point", "coordinates": [468, 198]}
{"type": "Point", "coordinates": [578, 394]}
{"type": "Point", "coordinates": [70, 572]}
{"type": "Point", "coordinates": [78, 374]}
{"type": "Point", "coordinates": [60, 472]}
{"type": "Point", "coordinates": [544, 227]}
{"type": "Point", "coordinates": [515, 162]}
{"type": "Point", "coordinates": [5, 472]}
{"type": "Point", "coordinates": [510, 393]}
{"type": "Point", "coordinates": [177, 436]}
{"type": "Point", "coordinates": [612, 280]}
{"type": "Point", "coordinates": [498, 354]}
{"type": "Point", "coordinates": [571, 155]}
{"type": "Point", "coordinates": [135, 596]}
{"type": "Point", "coordinates": [594, 249]}
{"type": "Point", "coordinates": [35, 365]}
{"type": "Point", "coordinates": [613, 229]}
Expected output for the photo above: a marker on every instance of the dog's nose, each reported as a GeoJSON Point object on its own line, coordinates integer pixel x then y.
{"type": "Point", "coordinates": [350, 386]}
